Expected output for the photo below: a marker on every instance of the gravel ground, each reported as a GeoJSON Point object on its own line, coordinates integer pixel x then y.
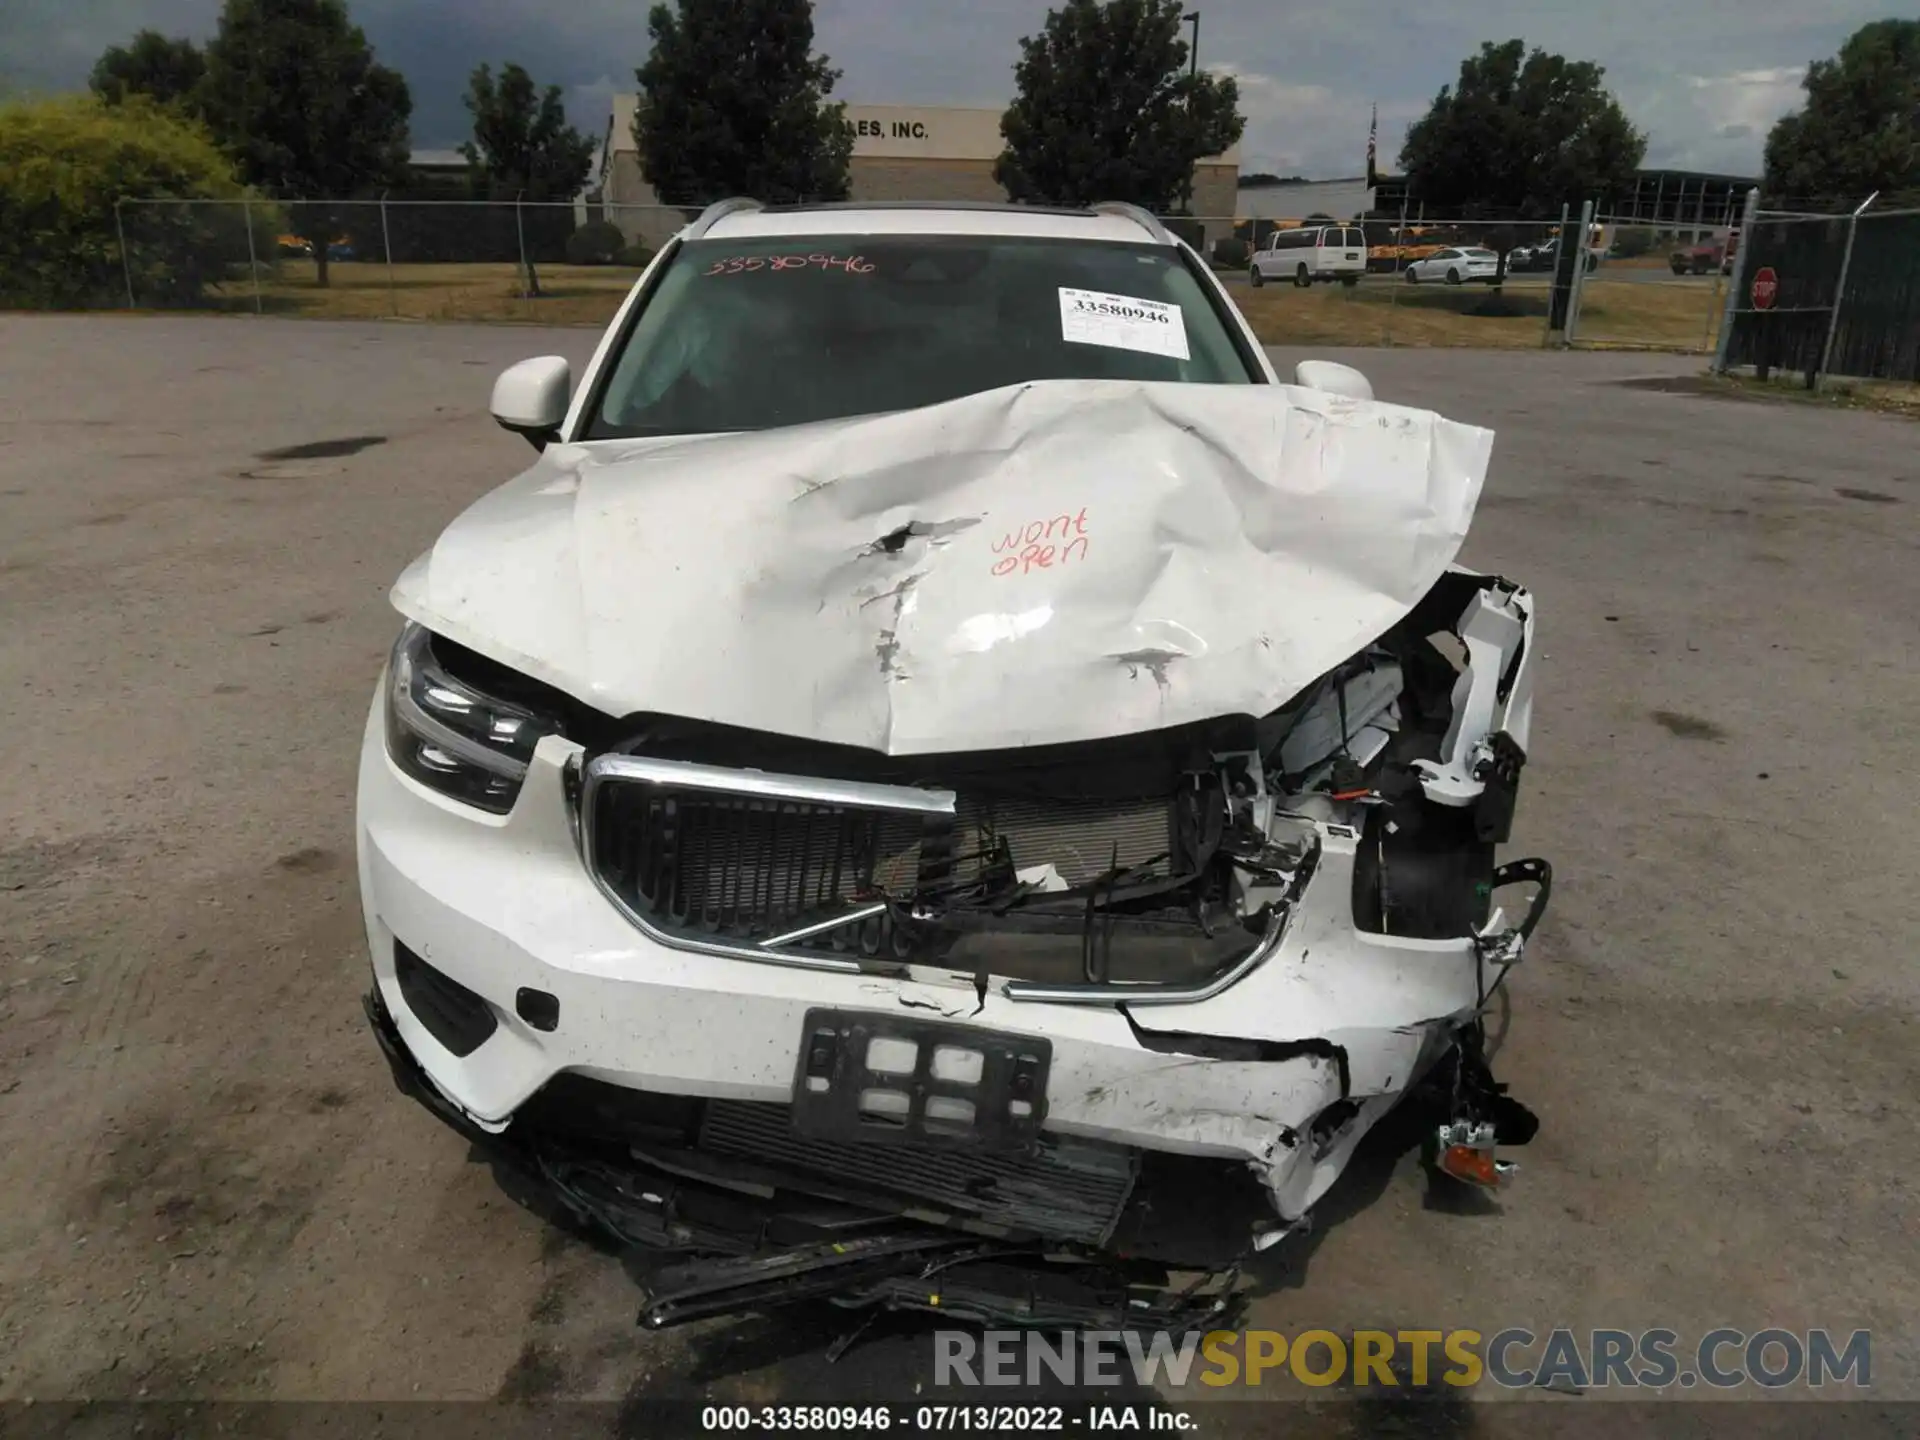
{"type": "Point", "coordinates": [208, 1187]}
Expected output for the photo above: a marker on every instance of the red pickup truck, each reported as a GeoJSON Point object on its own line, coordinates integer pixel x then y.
{"type": "Point", "coordinates": [1706, 258]}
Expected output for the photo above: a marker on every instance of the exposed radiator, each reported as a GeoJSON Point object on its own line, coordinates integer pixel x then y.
{"type": "Point", "coordinates": [1065, 1189]}
{"type": "Point", "coordinates": [1079, 837]}
{"type": "Point", "coordinates": [1082, 839]}
{"type": "Point", "coordinates": [746, 867]}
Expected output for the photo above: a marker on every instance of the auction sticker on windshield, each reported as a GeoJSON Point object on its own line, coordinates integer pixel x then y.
{"type": "Point", "coordinates": [1122, 322]}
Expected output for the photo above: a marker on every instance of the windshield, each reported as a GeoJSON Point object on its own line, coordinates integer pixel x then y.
{"type": "Point", "coordinates": [752, 334]}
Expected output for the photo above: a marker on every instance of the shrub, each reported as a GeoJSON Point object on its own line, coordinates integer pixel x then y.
{"type": "Point", "coordinates": [65, 161]}
{"type": "Point", "coordinates": [1230, 253]}
{"type": "Point", "coordinates": [595, 243]}
{"type": "Point", "coordinates": [635, 255]}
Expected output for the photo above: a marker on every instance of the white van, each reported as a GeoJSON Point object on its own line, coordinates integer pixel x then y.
{"type": "Point", "coordinates": [1310, 253]}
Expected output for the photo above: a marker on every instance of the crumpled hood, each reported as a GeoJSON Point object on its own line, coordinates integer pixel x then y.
{"type": "Point", "coordinates": [1048, 562]}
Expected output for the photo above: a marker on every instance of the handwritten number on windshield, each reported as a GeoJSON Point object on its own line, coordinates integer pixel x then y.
{"type": "Point", "coordinates": [740, 264]}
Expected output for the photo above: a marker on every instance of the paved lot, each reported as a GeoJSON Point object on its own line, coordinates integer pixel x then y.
{"type": "Point", "coordinates": [208, 1186]}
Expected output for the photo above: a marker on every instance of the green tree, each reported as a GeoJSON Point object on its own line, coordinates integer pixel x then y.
{"type": "Point", "coordinates": [1519, 135]}
{"type": "Point", "coordinates": [166, 70]}
{"type": "Point", "coordinates": [522, 146]}
{"type": "Point", "coordinates": [1860, 129]}
{"type": "Point", "coordinates": [293, 92]}
{"type": "Point", "coordinates": [734, 102]}
{"type": "Point", "coordinates": [65, 164]}
{"type": "Point", "coordinates": [1106, 108]}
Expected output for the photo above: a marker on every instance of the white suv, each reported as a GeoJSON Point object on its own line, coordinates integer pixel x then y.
{"type": "Point", "coordinates": [940, 762]}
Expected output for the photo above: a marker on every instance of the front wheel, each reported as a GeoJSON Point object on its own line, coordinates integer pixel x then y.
{"type": "Point", "coordinates": [1303, 277]}
{"type": "Point", "coordinates": [1453, 277]}
{"type": "Point", "coordinates": [1413, 276]}
{"type": "Point", "coordinates": [1254, 277]}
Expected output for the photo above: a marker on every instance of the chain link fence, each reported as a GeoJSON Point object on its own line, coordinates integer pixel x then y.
{"type": "Point", "coordinates": [1654, 286]}
{"type": "Point", "coordinates": [408, 259]}
{"type": "Point", "coordinates": [1418, 280]}
{"type": "Point", "coordinates": [565, 263]}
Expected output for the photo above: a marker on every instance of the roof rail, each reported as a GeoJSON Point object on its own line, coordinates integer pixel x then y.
{"type": "Point", "coordinates": [718, 211]}
{"type": "Point", "coordinates": [1140, 217]}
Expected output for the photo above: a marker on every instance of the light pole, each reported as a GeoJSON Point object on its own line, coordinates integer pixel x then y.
{"type": "Point", "coordinates": [1193, 76]}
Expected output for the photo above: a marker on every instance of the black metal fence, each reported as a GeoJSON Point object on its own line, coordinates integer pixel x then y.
{"type": "Point", "coordinates": [1790, 273]}
{"type": "Point", "coordinates": [1828, 294]}
{"type": "Point", "coordinates": [1878, 336]}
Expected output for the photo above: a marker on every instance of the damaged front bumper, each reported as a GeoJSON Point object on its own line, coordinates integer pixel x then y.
{"type": "Point", "coordinates": [746, 1235]}
{"type": "Point", "coordinates": [1115, 1149]}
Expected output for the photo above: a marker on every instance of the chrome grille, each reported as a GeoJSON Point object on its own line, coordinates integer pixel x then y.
{"type": "Point", "coordinates": [1066, 1189]}
{"type": "Point", "coordinates": [742, 867]}
{"type": "Point", "coordinates": [744, 857]}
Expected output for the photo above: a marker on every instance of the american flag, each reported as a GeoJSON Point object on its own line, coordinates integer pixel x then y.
{"type": "Point", "coordinates": [1373, 144]}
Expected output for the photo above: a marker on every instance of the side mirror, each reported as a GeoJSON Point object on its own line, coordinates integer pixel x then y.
{"type": "Point", "coordinates": [531, 398]}
{"type": "Point", "coordinates": [1334, 378]}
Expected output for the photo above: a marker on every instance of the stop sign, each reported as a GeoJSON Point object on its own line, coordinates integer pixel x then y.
{"type": "Point", "coordinates": [1766, 288]}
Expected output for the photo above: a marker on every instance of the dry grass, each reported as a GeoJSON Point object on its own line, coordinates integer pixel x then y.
{"type": "Point", "coordinates": [1886, 396]}
{"type": "Point", "coordinates": [1889, 397]}
{"type": "Point", "coordinates": [1383, 312]}
{"type": "Point", "coordinates": [1897, 398]}
{"type": "Point", "coordinates": [1652, 314]}
{"type": "Point", "coordinates": [358, 290]}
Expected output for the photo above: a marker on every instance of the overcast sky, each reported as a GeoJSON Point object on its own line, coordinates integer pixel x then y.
{"type": "Point", "coordinates": [1705, 81]}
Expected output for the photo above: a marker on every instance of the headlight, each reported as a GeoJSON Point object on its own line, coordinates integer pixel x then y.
{"type": "Point", "coordinates": [449, 736]}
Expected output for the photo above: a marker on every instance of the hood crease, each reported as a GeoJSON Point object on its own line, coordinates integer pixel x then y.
{"type": "Point", "coordinates": [1066, 560]}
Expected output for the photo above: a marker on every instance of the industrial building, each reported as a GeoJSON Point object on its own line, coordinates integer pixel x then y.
{"type": "Point", "coordinates": [1677, 201]}
{"type": "Point", "coordinates": [900, 152]}
{"type": "Point", "coordinates": [1299, 199]}
{"type": "Point", "coordinates": [1684, 202]}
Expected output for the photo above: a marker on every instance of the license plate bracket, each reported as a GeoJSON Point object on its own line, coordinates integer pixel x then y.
{"type": "Point", "coordinates": [895, 1080]}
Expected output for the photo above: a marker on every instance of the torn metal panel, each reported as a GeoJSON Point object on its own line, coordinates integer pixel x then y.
{"type": "Point", "coordinates": [1327, 978]}
{"type": "Point", "coordinates": [1045, 563]}
{"type": "Point", "coordinates": [1494, 695]}
{"type": "Point", "coordinates": [1215, 1107]}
